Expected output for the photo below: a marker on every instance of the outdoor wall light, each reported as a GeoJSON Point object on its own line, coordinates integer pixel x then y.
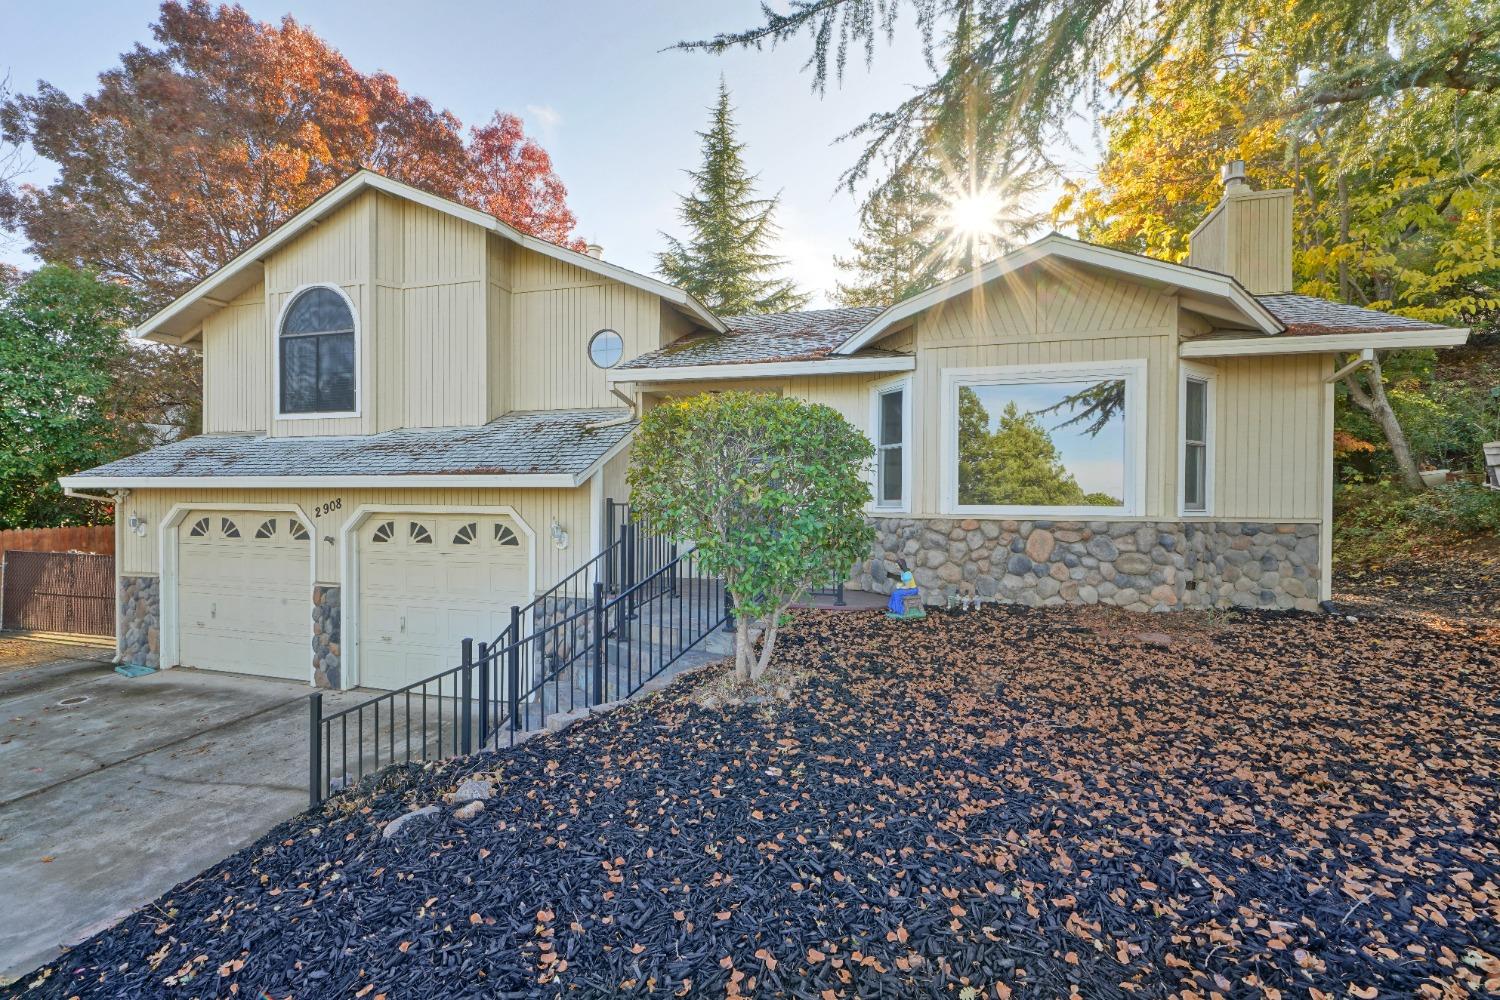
{"type": "Point", "coordinates": [559, 535]}
{"type": "Point", "coordinates": [137, 524]}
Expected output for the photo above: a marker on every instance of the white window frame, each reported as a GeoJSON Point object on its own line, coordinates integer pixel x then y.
{"type": "Point", "coordinates": [903, 384]}
{"type": "Point", "coordinates": [1132, 370]}
{"type": "Point", "coordinates": [1209, 377]}
{"type": "Point", "coordinates": [286, 304]}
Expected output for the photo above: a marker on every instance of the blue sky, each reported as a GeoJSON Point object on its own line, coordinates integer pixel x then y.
{"type": "Point", "coordinates": [618, 115]}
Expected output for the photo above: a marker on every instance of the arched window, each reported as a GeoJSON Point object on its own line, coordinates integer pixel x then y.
{"type": "Point", "coordinates": [317, 353]}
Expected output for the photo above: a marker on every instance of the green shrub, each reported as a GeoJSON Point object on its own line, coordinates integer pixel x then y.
{"type": "Point", "coordinates": [770, 490]}
{"type": "Point", "coordinates": [1384, 522]}
{"type": "Point", "coordinates": [1458, 509]}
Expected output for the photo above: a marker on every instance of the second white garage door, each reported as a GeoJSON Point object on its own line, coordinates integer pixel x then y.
{"type": "Point", "coordinates": [244, 594]}
{"type": "Point", "coordinates": [428, 582]}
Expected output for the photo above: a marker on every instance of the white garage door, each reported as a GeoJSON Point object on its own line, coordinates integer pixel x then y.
{"type": "Point", "coordinates": [426, 583]}
{"type": "Point", "coordinates": [244, 597]}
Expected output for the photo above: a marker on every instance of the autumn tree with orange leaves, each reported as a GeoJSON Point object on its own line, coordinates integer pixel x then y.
{"type": "Point", "coordinates": [197, 146]}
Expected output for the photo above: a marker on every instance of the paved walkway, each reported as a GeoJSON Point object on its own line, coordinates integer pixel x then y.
{"type": "Point", "coordinates": [113, 790]}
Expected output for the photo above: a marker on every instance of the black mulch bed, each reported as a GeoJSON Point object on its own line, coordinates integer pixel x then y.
{"type": "Point", "coordinates": [1003, 803]}
{"type": "Point", "coordinates": [1461, 582]}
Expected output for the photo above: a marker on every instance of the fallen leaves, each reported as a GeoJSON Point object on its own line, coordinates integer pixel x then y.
{"type": "Point", "coordinates": [1030, 802]}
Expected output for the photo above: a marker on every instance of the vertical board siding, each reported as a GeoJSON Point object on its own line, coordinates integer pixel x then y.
{"type": "Point", "coordinates": [571, 508]}
{"type": "Point", "coordinates": [1249, 236]}
{"type": "Point", "coordinates": [1269, 437]}
{"type": "Point", "coordinates": [555, 309]}
{"type": "Point", "coordinates": [497, 310]}
{"type": "Point", "coordinates": [236, 377]}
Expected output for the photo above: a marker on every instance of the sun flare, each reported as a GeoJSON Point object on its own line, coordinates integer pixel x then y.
{"type": "Point", "coordinates": [974, 216]}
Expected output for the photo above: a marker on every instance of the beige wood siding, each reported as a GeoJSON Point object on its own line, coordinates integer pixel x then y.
{"type": "Point", "coordinates": [615, 487]}
{"type": "Point", "coordinates": [1248, 235]}
{"type": "Point", "coordinates": [497, 303]}
{"type": "Point", "coordinates": [236, 379]}
{"type": "Point", "coordinates": [555, 309]}
{"type": "Point", "coordinates": [431, 330]}
{"type": "Point", "coordinates": [1270, 436]}
{"type": "Point", "coordinates": [572, 508]}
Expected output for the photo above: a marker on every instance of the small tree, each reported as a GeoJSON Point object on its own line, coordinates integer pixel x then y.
{"type": "Point", "coordinates": [771, 492]}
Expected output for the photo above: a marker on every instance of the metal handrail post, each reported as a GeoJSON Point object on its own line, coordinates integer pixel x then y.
{"type": "Point", "coordinates": [314, 749]}
{"type": "Point", "coordinates": [513, 668]}
{"type": "Point", "coordinates": [466, 704]}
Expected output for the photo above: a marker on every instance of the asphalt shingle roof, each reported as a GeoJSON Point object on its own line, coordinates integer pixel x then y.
{"type": "Point", "coordinates": [1308, 316]}
{"type": "Point", "coordinates": [540, 442]}
{"type": "Point", "coordinates": [808, 335]}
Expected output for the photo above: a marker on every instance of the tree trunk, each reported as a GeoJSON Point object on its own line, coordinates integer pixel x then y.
{"type": "Point", "coordinates": [768, 644]}
{"type": "Point", "coordinates": [743, 654]}
{"type": "Point", "coordinates": [1378, 407]}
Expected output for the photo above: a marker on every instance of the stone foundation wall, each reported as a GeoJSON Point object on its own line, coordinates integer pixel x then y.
{"type": "Point", "coordinates": [139, 626]}
{"type": "Point", "coordinates": [1138, 565]}
{"type": "Point", "coordinates": [326, 626]}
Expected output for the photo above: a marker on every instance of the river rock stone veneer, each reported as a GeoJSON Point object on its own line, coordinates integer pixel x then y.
{"type": "Point", "coordinates": [1137, 565]}
{"type": "Point", "coordinates": [140, 620]}
{"type": "Point", "coordinates": [325, 639]}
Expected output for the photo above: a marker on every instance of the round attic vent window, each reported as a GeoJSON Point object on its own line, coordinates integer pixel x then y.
{"type": "Point", "coordinates": [606, 348]}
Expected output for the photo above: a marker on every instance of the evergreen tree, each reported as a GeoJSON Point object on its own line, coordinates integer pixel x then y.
{"type": "Point", "coordinates": [724, 262]}
{"type": "Point", "coordinates": [897, 252]}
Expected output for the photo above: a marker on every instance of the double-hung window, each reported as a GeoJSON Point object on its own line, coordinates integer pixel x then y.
{"type": "Point", "coordinates": [1044, 440]}
{"type": "Point", "coordinates": [891, 420]}
{"type": "Point", "coordinates": [317, 354]}
{"type": "Point", "coordinates": [1195, 471]}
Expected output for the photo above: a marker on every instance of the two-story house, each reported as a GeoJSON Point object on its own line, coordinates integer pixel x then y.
{"type": "Point", "coordinates": [413, 414]}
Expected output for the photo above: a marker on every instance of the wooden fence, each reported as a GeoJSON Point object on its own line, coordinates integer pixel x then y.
{"type": "Point", "coordinates": [65, 592]}
{"type": "Point", "coordinates": [96, 538]}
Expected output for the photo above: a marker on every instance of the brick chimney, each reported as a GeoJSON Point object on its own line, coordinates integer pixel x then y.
{"type": "Point", "coordinates": [1248, 235]}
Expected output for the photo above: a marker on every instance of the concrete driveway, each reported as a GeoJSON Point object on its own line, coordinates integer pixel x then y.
{"type": "Point", "coordinates": [113, 790]}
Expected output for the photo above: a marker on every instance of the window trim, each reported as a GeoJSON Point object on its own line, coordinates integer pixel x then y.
{"type": "Point", "coordinates": [1132, 370]}
{"type": "Point", "coordinates": [286, 305]}
{"type": "Point", "coordinates": [1209, 377]}
{"type": "Point", "coordinates": [904, 383]}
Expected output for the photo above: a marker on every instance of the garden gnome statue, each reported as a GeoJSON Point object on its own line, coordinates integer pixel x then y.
{"type": "Point", "coordinates": [906, 599]}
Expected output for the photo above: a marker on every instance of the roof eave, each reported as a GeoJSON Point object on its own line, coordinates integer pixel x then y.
{"type": "Point", "coordinates": [1055, 245]}
{"type": "Point", "coordinates": [426, 481]}
{"type": "Point", "coordinates": [767, 369]}
{"type": "Point", "coordinates": [1329, 343]}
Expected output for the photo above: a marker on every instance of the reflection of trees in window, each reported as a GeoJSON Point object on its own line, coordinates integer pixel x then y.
{"type": "Point", "coordinates": [1016, 464]}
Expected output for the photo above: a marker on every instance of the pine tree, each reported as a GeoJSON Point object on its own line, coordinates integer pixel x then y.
{"type": "Point", "coordinates": [897, 252]}
{"type": "Point", "coordinates": [724, 261]}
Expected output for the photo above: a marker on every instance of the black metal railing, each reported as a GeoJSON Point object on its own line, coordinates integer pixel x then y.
{"type": "Point", "coordinates": [599, 635]}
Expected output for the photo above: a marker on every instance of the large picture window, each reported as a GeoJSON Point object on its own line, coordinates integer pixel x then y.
{"type": "Point", "coordinates": [317, 354]}
{"type": "Point", "coordinates": [1044, 440]}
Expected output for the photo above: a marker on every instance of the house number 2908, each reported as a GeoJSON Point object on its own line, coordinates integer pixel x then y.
{"type": "Point", "coordinates": [329, 507]}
